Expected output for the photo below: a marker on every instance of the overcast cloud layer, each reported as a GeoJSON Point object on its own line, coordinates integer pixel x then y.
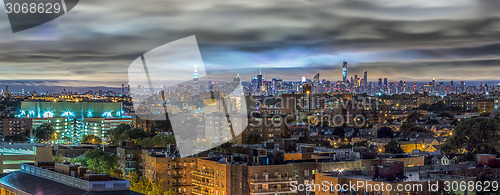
{"type": "Point", "coordinates": [411, 40]}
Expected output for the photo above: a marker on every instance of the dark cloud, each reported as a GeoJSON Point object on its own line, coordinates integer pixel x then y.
{"type": "Point", "coordinates": [412, 40]}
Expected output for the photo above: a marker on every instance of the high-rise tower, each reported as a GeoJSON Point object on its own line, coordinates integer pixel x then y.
{"type": "Point", "coordinates": [316, 79]}
{"type": "Point", "coordinates": [365, 79]}
{"type": "Point", "coordinates": [195, 78]}
{"type": "Point", "coordinates": [344, 72]}
{"type": "Point", "coordinates": [259, 80]}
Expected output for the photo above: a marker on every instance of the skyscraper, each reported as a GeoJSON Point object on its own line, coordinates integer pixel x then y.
{"type": "Point", "coordinates": [237, 80]}
{"type": "Point", "coordinates": [316, 79]}
{"type": "Point", "coordinates": [259, 80]}
{"type": "Point", "coordinates": [365, 82]}
{"type": "Point", "coordinates": [344, 72]}
{"type": "Point", "coordinates": [195, 78]}
{"type": "Point", "coordinates": [254, 84]}
{"type": "Point", "coordinates": [452, 87]}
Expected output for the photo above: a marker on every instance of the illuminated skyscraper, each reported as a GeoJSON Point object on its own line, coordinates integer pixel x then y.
{"type": "Point", "coordinates": [365, 82]}
{"type": "Point", "coordinates": [195, 78]}
{"type": "Point", "coordinates": [259, 80]}
{"type": "Point", "coordinates": [255, 84]}
{"type": "Point", "coordinates": [344, 72]}
{"type": "Point", "coordinates": [316, 79]}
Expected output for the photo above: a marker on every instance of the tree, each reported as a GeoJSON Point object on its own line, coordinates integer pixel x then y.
{"type": "Point", "coordinates": [115, 134]}
{"type": "Point", "coordinates": [159, 140]}
{"type": "Point", "coordinates": [409, 127]}
{"type": "Point", "coordinates": [419, 130]}
{"type": "Point", "coordinates": [162, 125]}
{"type": "Point", "coordinates": [438, 107]}
{"type": "Point", "coordinates": [99, 161]}
{"type": "Point", "coordinates": [225, 147]}
{"type": "Point", "coordinates": [413, 117]}
{"type": "Point", "coordinates": [91, 139]}
{"type": "Point", "coordinates": [385, 132]}
{"type": "Point", "coordinates": [171, 192]}
{"type": "Point", "coordinates": [406, 126]}
{"type": "Point", "coordinates": [126, 132]}
{"type": "Point", "coordinates": [16, 137]}
{"type": "Point", "coordinates": [393, 147]}
{"type": "Point", "coordinates": [43, 133]}
{"type": "Point", "coordinates": [475, 136]}
{"type": "Point", "coordinates": [135, 133]}
{"type": "Point", "coordinates": [162, 140]}
{"type": "Point", "coordinates": [146, 186]}
{"type": "Point", "coordinates": [252, 138]}
{"type": "Point", "coordinates": [58, 158]}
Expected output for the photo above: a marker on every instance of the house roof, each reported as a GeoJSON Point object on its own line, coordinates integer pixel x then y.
{"type": "Point", "coordinates": [36, 185]}
{"type": "Point", "coordinates": [441, 138]}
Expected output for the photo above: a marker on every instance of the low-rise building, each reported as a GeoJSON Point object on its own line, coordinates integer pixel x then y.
{"type": "Point", "coordinates": [15, 126]}
{"type": "Point", "coordinates": [164, 165]}
{"type": "Point", "coordinates": [11, 157]}
{"type": "Point", "coordinates": [52, 178]}
{"type": "Point", "coordinates": [385, 178]}
{"type": "Point", "coordinates": [130, 159]}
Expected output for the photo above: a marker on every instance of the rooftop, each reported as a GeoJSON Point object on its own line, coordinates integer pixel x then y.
{"type": "Point", "coordinates": [32, 184]}
{"type": "Point", "coordinates": [70, 175]}
{"type": "Point", "coordinates": [411, 174]}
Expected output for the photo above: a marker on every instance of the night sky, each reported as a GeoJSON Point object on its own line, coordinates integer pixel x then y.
{"type": "Point", "coordinates": [411, 40]}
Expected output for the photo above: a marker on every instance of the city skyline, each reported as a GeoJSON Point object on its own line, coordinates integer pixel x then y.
{"type": "Point", "coordinates": [261, 77]}
{"type": "Point", "coordinates": [27, 86]}
{"type": "Point", "coordinates": [185, 97]}
{"type": "Point", "coordinates": [411, 40]}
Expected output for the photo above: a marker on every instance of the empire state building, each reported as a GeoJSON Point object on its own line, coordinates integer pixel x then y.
{"type": "Point", "coordinates": [195, 79]}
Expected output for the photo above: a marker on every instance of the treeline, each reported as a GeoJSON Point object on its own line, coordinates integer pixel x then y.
{"type": "Point", "coordinates": [475, 136]}
{"type": "Point", "coordinates": [105, 162]}
{"type": "Point", "coordinates": [126, 132]}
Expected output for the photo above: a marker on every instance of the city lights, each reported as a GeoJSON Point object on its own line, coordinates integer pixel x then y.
{"type": "Point", "coordinates": [106, 114]}
{"type": "Point", "coordinates": [334, 97]}
{"type": "Point", "coordinates": [68, 114]}
{"type": "Point", "coordinates": [48, 114]}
